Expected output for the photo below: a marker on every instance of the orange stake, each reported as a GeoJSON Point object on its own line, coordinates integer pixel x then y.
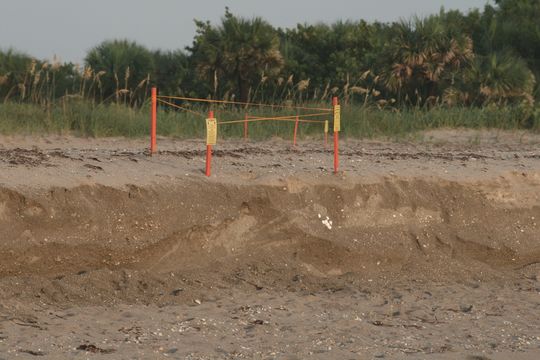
{"type": "Point", "coordinates": [153, 121]}
{"type": "Point", "coordinates": [246, 127]}
{"type": "Point", "coordinates": [209, 151]}
{"type": "Point", "coordinates": [208, 160]}
{"type": "Point", "coordinates": [295, 130]}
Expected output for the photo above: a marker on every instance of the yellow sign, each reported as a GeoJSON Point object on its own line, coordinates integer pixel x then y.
{"type": "Point", "coordinates": [325, 126]}
{"type": "Point", "coordinates": [337, 118]}
{"type": "Point", "coordinates": [211, 131]}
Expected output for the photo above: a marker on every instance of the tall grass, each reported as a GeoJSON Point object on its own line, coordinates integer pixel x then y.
{"type": "Point", "coordinates": [84, 118]}
{"type": "Point", "coordinates": [369, 122]}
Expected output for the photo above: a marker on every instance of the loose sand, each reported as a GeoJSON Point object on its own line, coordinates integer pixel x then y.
{"type": "Point", "coordinates": [427, 250]}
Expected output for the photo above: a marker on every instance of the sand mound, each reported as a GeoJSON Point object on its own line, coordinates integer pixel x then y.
{"type": "Point", "coordinates": [65, 242]}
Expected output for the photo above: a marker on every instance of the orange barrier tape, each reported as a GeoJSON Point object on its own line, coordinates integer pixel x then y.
{"type": "Point", "coordinates": [181, 108]}
{"type": "Point", "coordinates": [243, 103]}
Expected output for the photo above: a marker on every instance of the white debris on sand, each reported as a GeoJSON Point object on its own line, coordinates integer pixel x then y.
{"type": "Point", "coordinates": [328, 223]}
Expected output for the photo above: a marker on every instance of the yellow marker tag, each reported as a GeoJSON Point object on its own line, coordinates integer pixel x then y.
{"type": "Point", "coordinates": [326, 126]}
{"type": "Point", "coordinates": [337, 118]}
{"type": "Point", "coordinates": [211, 131]}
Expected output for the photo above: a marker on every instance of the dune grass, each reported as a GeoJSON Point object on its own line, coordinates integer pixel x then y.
{"type": "Point", "coordinates": [82, 118]}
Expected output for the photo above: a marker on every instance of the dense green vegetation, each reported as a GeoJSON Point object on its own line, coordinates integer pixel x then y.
{"type": "Point", "coordinates": [475, 69]}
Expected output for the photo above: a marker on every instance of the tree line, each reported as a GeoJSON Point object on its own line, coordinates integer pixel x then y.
{"type": "Point", "coordinates": [488, 56]}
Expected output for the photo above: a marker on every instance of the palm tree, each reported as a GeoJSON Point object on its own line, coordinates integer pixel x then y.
{"type": "Point", "coordinates": [496, 78]}
{"type": "Point", "coordinates": [207, 54]}
{"type": "Point", "coordinates": [425, 54]}
{"type": "Point", "coordinates": [13, 71]}
{"type": "Point", "coordinates": [171, 71]}
{"type": "Point", "coordinates": [239, 50]}
{"type": "Point", "coordinates": [124, 66]}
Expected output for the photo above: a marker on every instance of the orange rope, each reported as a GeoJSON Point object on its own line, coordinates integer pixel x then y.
{"type": "Point", "coordinates": [292, 119]}
{"type": "Point", "coordinates": [181, 108]}
{"type": "Point", "coordinates": [288, 116]}
{"type": "Point", "coordinates": [194, 112]}
{"type": "Point", "coordinates": [251, 120]}
{"type": "Point", "coordinates": [312, 121]}
{"type": "Point", "coordinates": [242, 103]}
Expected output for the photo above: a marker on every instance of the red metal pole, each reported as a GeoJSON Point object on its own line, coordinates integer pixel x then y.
{"type": "Point", "coordinates": [153, 121]}
{"type": "Point", "coordinates": [208, 160]}
{"type": "Point", "coordinates": [246, 127]}
{"type": "Point", "coordinates": [209, 151]}
{"type": "Point", "coordinates": [336, 141]}
{"type": "Point", "coordinates": [295, 130]}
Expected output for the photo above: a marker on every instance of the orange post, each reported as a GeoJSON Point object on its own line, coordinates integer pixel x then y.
{"type": "Point", "coordinates": [295, 130]}
{"type": "Point", "coordinates": [209, 151]}
{"type": "Point", "coordinates": [335, 104]}
{"type": "Point", "coordinates": [246, 127]}
{"type": "Point", "coordinates": [153, 121]}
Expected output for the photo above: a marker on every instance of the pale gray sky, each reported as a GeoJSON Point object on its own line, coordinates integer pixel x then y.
{"type": "Point", "coordinates": [68, 28]}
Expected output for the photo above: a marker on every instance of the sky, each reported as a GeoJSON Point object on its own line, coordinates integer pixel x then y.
{"type": "Point", "coordinates": [69, 28]}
